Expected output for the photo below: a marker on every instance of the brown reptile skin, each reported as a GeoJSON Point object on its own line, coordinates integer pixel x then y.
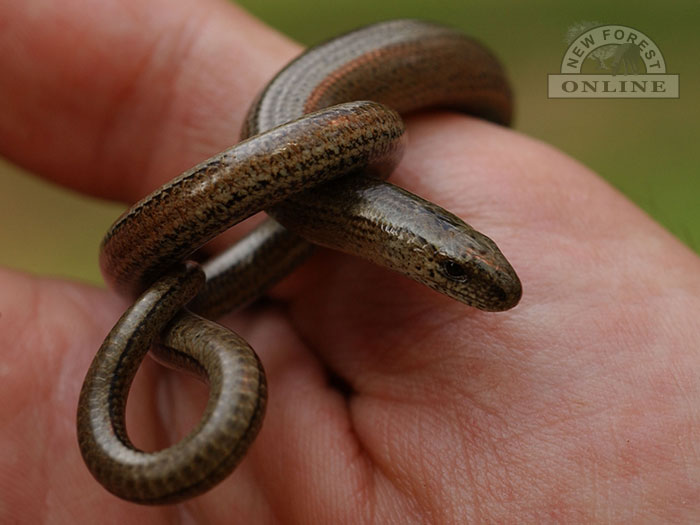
{"type": "Point", "coordinates": [217, 444]}
{"type": "Point", "coordinates": [285, 168]}
{"type": "Point", "coordinates": [193, 208]}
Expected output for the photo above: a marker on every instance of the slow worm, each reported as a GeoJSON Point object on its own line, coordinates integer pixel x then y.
{"type": "Point", "coordinates": [319, 177]}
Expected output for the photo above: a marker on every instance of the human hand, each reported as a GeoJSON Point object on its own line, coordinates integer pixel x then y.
{"type": "Point", "coordinates": [577, 406]}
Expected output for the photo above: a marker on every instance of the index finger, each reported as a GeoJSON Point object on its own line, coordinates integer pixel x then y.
{"type": "Point", "coordinates": [114, 98]}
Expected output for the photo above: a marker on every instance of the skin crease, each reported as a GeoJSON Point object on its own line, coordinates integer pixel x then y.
{"type": "Point", "coordinates": [580, 405]}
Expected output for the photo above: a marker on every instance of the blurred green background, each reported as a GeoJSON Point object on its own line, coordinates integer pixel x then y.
{"type": "Point", "coordinates": [646, 148]}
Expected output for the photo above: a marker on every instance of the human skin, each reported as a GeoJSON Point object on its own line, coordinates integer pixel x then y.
{"type": "Point", "coordinates": [580, 405]}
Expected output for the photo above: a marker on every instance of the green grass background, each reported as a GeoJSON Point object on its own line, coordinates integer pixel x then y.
{"type": "Point", "coordinates": [647, 148]}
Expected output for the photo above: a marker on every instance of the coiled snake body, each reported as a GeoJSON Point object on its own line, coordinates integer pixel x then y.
{"type": "Point", "coordinates": [317, 152]}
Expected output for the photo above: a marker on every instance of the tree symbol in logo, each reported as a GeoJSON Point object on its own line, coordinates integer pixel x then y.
{"type": "Point", "coordinates": [627, 60]}
{"type": "Point", "coordinates": [615, 59]}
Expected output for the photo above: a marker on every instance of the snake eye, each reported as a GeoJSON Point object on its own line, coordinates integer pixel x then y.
{"type": "Point", "coordinates": [453, 271]}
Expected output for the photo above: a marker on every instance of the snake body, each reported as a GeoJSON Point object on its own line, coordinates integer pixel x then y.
{"type": "Point", "coordinates": [315, 154]}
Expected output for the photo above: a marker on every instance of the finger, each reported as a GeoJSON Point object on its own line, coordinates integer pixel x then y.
{"type": "Point", "coordinates": [51, 330]}
{"type": "Point", "coordinates": [114, 98]}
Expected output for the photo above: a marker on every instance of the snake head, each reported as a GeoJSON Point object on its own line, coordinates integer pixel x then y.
{"type": "Point", "coordinates": [394, 228]}
{"type": "Point", "coordinates": [455, 259]}
{"type": "Point", "coordinates": [472, 269]}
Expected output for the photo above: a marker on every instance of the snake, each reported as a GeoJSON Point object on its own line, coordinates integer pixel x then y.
{"type": "Point", "coordinates": [317, 145]}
